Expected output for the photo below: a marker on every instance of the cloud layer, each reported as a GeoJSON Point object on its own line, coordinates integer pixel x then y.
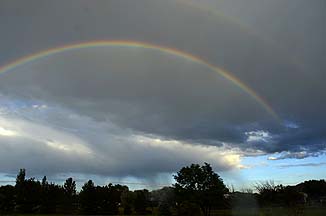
{"type": "Point", "coordinates": [114, 111]}
{"type": "Point", "coordinates": [79, 144]}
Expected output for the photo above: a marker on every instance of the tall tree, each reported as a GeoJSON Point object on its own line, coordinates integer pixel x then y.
{"type": "Point", "coordinates": [45, 204]}
{"type": "Point", "coordinates": [200, 185]}
{"type": "Point", "coordinates": [164, 199]}
{"type": "Point", "coordinates": [141, 201]}
{"type": "Point", "coordinates": [87, 198]}
{"type": "Point", "coordinates": [20, 196]}
{"type": "Point", "coordinates": [20, 179]}
{"type": "Point", "coordinates": [69, 189]}
{"type": "Point", "coordinates": [7, 201]}
{"type": "Point", "coordinates": [127, 201]}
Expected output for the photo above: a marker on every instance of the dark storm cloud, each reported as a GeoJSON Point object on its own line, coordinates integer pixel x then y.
{"type": "Point", "coordinates": [161, 97]}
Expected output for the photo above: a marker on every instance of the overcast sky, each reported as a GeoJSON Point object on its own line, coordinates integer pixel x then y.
{"type": "Point", "coordinates": [138, 114]}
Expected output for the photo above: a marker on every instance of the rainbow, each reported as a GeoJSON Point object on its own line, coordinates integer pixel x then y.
{"type": "Point", "coordinates": [136, 44]}
{"type": "Point", "coordinates": [211, 11]}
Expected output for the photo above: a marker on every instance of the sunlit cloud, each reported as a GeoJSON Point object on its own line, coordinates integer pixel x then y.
{"type": "Point", "coordinates": [69, 147]}
{"type": "Point", "coordinates": [53, 138]}
{"type": "Point", "coordinates": [40, 106]}
{"type": "Point", "coordinates": [217, 156]}
{"type": "Point", "coordinates": [6, 132]}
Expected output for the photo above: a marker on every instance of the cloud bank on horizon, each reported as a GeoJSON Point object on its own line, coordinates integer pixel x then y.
{"type": "Point", "coordinates": [132, 111]}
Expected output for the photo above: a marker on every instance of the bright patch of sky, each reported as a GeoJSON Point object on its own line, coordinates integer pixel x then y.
{"type": "Point", "coordinates": [291, 124]}
{"type": "Point", "coordinates": [262, 169]}
{"type": "Point", "coordinates": [259, 135]}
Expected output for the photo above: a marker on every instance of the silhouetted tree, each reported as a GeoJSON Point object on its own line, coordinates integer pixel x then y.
{"type": "Point", "coordinates": [116, 192]}
{"type": "Point", "coordinates": [20, 179]}
{"type": "Point", "coordinates": [7, 199]}
{"type": "Point", "coordinates": [198, 189]}
{"type": "Point", "coordinates": [164, 199]}
{"type": "Point", "coordinates": [200, 185]}
{"type": "Point", "coordinates": [28, 194]}
{"type": "Point", "coordinates": [267, 193]}
{"type": "Point", "coordinates": [52, 197]}
{"type": "Point", "coordinates": [188, 208]}
{"type": "Point", "coordinates": [69, 189]}
{"type": "Point", "coordinates": [20, 195]}
{"type": "Point", "coordinates": [141, 201]}
{"type": "Point", "coordinates": [127, 201]}
{"type": "Point", "coordinates": [45, 196]}
{"type": "Point", "coordinates": [314, 188]}
{"type": "Point", "coordinates": [87, 198]}
{"type": "Point", "coordinates": [108, 199]}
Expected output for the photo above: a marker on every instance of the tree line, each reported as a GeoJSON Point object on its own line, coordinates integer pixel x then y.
{"type": "Point", "coordinates": [198, 191]}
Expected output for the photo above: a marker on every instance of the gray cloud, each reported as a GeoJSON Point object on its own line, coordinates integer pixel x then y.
{"type": "Point", "coordinates": [153, 93]}
{"type": "Point", "coordinates": [78, 144]}
{"type": "Point", "coordinates": [303, 165]}
{"type": "Point", "coordinates": [296, 155]}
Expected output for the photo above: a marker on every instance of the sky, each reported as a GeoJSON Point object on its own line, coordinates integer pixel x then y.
{"type": "Point", "coordinates": [131, 91]}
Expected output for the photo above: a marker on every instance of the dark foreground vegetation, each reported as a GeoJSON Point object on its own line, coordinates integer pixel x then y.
{"type": "Point", "coordinates": [198, 191]}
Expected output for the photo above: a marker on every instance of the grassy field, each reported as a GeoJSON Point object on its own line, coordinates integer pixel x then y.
{"type": "Point", "coordinates": [260, 212]}
{"type": "Point", "coordinates": [272, 212]}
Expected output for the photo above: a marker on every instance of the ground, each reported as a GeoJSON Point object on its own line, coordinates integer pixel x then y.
{"type": "Point", "coordinates": [248, 212]}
